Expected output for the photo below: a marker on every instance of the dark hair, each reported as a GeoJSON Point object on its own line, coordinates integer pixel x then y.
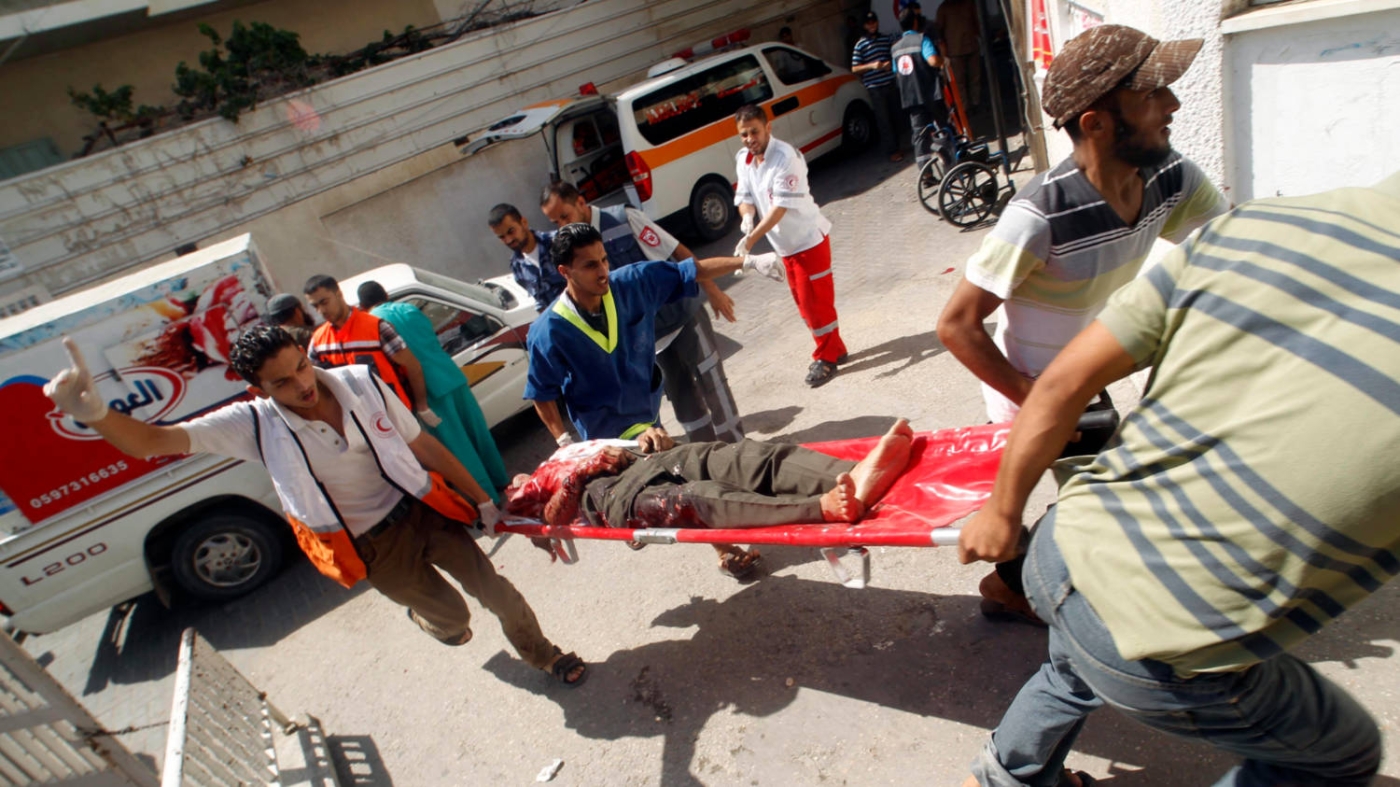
{"type": "Point", "coordinates": [563, 189]}
{"type": "Point", "coordinates": [909, 18]}
{"type": "Point", "coordinates": [750, 112]}
{"type": "Point", "coordinates": [569, 238]}
{"type": "Point", "coordinates": [502, 212]}
{"type": "Point", "coordinates": [255, 347]}
{"type": "Point", "coordinates": [1108, 102]}
{"type": "Point", "coordinates": [320, 282]}
{"type": "Point", "coordinates": [371, 294]}
{"type": "Point", "coordinates": [784, 31]}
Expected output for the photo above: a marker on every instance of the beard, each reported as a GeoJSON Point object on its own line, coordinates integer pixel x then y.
{"type": "Point", "coordinates": [1129, 147]}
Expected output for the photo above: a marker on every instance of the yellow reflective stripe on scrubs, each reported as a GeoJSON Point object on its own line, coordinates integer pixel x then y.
{"type": "Point", "coordinates": [608, 343]}
{"type": "Point", "coordinates": [634, 430]}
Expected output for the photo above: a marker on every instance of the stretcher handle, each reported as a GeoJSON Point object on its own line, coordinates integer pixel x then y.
{"type": "Point", "coordinates": [1096, 420]}
{"type": "Point", "coordinates": [946, 536]}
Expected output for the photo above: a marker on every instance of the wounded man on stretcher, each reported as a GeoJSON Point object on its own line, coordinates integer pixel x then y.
{"type": "Point", "coordinates": [717, 485]}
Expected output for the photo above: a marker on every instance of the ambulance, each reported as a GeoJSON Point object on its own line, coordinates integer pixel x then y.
{"type": "Point", "coordinates": [84, 527]}
{"type": "Point", "coordinates": [668, 144]}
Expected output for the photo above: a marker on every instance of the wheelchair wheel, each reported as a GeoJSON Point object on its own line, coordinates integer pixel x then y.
{"type": "Point", "coordinates": [929, 178]}
{"type": "Point", "coordinates": [968, 194]}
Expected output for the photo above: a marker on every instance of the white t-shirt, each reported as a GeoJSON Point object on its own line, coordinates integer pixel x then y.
{"type": "Point", "coordinates": [780, 181]}
{"type": "Point", "coordinates": [346, 467]}
{"type": "Point", "coordinates": [656, 243]}
{"type": "Point", "coordinates": [532, 257]}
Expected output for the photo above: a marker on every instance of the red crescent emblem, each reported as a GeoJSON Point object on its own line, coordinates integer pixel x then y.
{"type": "Point", "coordinates": [382, 424]}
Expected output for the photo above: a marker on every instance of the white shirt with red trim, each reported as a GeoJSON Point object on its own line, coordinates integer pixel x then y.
{"type": "Point", "coordinates": [780, 181]}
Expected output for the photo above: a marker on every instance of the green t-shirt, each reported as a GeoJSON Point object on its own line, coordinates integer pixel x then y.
{"type": "Point", "coordinates": [1251, 497]}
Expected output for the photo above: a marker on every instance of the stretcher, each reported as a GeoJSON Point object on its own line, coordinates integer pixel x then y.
{"type": "Point", "coordinates": [949, 476]}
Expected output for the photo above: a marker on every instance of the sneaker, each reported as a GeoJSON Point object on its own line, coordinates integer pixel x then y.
{"type": "Point", "coordinates": [820, 372]}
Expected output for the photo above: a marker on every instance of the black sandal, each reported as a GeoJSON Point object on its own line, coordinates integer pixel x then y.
{"type": "Point", "coordinates": [566, 663]}
{"type": "Point", "coordinates": [820, 373]}
{"type": "Point", "coordinates": [742, 565]}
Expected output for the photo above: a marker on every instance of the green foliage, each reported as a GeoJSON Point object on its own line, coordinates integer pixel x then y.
{"type": "Point", "coordinates": [256, 61]}
{"type": "Point", "coordinates": [113, 107]}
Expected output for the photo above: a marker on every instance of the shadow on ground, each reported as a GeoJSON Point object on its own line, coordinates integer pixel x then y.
{"type": "Point", "coordinates": [901, 353]}
{"type": "Point", "coordinates": [357, 761]}
{"type": "Point", "coordinates": [141, 640]}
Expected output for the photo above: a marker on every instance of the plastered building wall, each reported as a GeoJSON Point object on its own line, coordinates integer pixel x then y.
{"type": "Point", "coordinates": [34, 91]}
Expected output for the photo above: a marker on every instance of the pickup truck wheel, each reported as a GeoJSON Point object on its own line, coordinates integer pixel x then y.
{"type": "Point", "coordinates": [857, 128]}
{"type": "Point", "coordinates": [712, 210]}
{"type": "Point", "coordinates": [225, 555]}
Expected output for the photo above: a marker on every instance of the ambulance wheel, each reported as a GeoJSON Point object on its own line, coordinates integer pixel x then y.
{"type": "Point", "coordinates": [968, 194]}
{"type": "Point", "coordinates": [712, 209]}
{"type": "Point", "coordinates": [857, 128]}
{"type": "Point", "coordinates": [225, 555]}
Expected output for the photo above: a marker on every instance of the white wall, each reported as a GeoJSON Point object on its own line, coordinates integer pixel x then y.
{"type": "Point", "coordinates": [1314, 105]}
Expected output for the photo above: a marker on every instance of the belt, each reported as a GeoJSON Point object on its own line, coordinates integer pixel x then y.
{"type": "Point", "coordinates": [395, 516]}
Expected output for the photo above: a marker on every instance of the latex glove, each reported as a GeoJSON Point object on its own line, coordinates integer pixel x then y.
{"type": "Point", "coordinates": [430, 418]}
{"type": "Point", "coordinates": [564, 439]}
{"type": "Point", "coordinates": [742, 250]}
{"type": "Point", "coordinates": [490, 517]}
{"type": "Point", "coordinates": [73, 390]}
{"type": "Point", "coordinates": [769, 264]}
{"type": "Point", "coordinates": [746, 224]}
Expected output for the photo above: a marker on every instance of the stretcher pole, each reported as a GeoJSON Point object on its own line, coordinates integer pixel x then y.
{"type": "Point", "coordinates": [815, 536]}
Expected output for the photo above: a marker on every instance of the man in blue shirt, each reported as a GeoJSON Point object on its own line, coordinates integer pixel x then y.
{"type": "Point", "coordinates": [530, 264]}
{"type": "Point", "coordinates": [871, 60]}
{"type": "Point", "coordinates": [916, 64]}
{"type": "Point", "coordinates": [594, 348]}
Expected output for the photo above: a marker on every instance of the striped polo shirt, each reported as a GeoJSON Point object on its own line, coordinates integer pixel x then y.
{"type": "Point", "coordinates": [1059, 250]}
{"type": "Point", "coordinates": [873, 49]}
{"type": "Point", "coordinates": [1252, 496]}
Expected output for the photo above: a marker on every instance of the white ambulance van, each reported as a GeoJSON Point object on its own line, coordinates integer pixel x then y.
{"type": "Point", "coordinates": [83, 526]}
{"type": "Point", "coordinates": [667, 145]}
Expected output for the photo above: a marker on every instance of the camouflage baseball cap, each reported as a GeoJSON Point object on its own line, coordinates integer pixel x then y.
{"type": "Point", "coordinates": [1105, 57]}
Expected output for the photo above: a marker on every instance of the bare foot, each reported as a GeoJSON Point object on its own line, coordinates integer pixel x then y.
{"type": "Point", "coordinates": [877, 471]}
{"type": "Point", "coordinates": [840, 504]}
{"type": "Point", "coordinates": [971, 782]}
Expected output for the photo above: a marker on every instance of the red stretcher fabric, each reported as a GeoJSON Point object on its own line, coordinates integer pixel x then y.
{"type": "Point", "coordinates": [950, 475]}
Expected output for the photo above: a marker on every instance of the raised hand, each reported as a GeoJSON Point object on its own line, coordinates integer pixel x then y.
{"type": "Point", "coordinates": [73, 389]}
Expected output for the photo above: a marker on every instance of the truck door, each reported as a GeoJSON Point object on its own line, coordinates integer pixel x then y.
{"type": "Point", "coordinates": [806, 112]}
{"type": "Point", "coordinates": [492, 356]}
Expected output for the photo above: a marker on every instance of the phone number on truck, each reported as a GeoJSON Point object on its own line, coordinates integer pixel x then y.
{"type": "Point", "coordinates": [91, 479]}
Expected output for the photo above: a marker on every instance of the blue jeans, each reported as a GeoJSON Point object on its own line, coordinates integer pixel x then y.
{"type": "Point", "coordinates": [1291, 725]}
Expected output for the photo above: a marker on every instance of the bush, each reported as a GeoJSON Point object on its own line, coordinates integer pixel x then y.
{"type": "Point", "coordinates": [257, 60]}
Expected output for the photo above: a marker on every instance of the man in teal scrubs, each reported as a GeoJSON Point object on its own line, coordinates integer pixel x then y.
{"type": "Point", "coordinates": [461, 426]}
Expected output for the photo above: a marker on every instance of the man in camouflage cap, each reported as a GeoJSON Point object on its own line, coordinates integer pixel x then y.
{"type": "Point", "coordinates": [1077, 233]}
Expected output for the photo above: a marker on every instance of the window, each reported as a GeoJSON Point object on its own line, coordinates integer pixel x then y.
{"type": "Point", "coordinates": [698, 100]}
{"type": "Point", "coordinates": [456, 329]}
{"type": "Point", "coordinates": [793, 67]}
{"type": "Point", "coordinates": [29, 157]}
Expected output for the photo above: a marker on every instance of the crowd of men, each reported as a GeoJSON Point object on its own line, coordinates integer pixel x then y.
{"type": "Point", "coordinates": [1232, 514]}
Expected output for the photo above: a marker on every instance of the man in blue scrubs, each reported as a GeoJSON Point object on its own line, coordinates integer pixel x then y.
{"type": "Point", "coordinates": [593, 348]}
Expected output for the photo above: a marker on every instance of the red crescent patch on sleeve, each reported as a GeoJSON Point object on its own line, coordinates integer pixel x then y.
{"type": "Point", "coordinates": [789, 183]}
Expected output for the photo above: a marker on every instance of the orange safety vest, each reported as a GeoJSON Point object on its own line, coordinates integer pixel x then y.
{"type": "Point", "coordinates": [357, 341]}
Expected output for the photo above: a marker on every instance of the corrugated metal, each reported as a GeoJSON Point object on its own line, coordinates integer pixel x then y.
{"type": "Point", "coordinates": [85, 220]}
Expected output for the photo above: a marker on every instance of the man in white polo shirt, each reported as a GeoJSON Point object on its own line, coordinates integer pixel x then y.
{"type": "Point", "coordinates": [775, 201]}
{"type": "Point", "coordinates": [363, 487]}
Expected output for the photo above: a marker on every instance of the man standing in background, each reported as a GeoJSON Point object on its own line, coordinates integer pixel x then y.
{"type": "Point", "coordinates": [916, 64]}
{"type": "Point", "coordinates": [463, 427]}
{"type": "Point", "coordinates": [871, 60]}
{"type": "Point", "coordinates": [955, 25]}
{"type": "Point", "coordinates": [286, 311]}
{"type": "Point", "coordinates": [530, 265]}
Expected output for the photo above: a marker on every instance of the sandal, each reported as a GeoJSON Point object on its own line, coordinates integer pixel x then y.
{"type": "Point", "coordinates": [820, 372]}
{"type": "Point", "coordinates": [457, 641]}
{"type": "Point", "coordinates": [634, 545]}
{"type": "Point", "coordinates": [742, 565]}
{"type": "Point", "coordinates": [566, 663]}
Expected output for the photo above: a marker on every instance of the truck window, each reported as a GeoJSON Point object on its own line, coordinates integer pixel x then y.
{"type": "Point", "coordinates": [793, 67]}
{"type": "Point", "coordinates": [700, 99]}
{"type": "Point", "coordinates": [456, 329]}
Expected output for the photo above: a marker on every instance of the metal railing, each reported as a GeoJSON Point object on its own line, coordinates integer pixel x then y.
{"type": "Point", "coordinates": [47, 737]}
{"type": "Point", "coordinates": [221, 726]}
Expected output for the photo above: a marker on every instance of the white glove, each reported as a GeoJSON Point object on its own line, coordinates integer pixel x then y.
{"type": "Point", "coordinates": [564, 439]}
{"type": "Point", "coordinates": [73, 390]}
{"type": "Point", "coordinates": [742, 250]}
{"type": "Point", "coordinates": [769, 264]}
{"type": "Point", "coordinates": [430, 418]}
{"type": "Point", "coordinates": [746, 224]}
{"type": "Point", "coordinates": [490, 517]}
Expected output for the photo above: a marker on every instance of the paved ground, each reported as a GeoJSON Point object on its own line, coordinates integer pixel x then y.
{"type": "Point", "coordinates": [791, 680]}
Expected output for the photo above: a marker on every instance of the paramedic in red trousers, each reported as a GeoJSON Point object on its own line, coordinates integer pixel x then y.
{"type": "Point", "coordinates": [364, 488]}
{"type": "Point", "coordinates": [351, 335]}
{"type": "Point", "coordinates": [686, 349]}
{"type": "Point", "coordinates": [774, 200]}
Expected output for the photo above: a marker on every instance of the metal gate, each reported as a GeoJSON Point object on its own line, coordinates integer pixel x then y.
{"type": "Point", "coordinates": [47, 737]}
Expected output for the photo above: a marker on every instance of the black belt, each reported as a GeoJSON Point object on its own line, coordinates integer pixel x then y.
{"type": "Point", "coordinates": [395, 516]}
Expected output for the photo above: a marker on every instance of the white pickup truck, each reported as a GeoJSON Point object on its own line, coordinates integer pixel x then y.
{"type": "Point", "coordinates": [84, 527]}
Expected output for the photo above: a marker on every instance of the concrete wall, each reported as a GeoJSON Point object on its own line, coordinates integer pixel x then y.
{"type": "Point", "coordinates": [1314, 105]}
{"type": "Point", "coordinates": [34, 91]}
{"type": "Point", "coordinates": [385, 130]}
